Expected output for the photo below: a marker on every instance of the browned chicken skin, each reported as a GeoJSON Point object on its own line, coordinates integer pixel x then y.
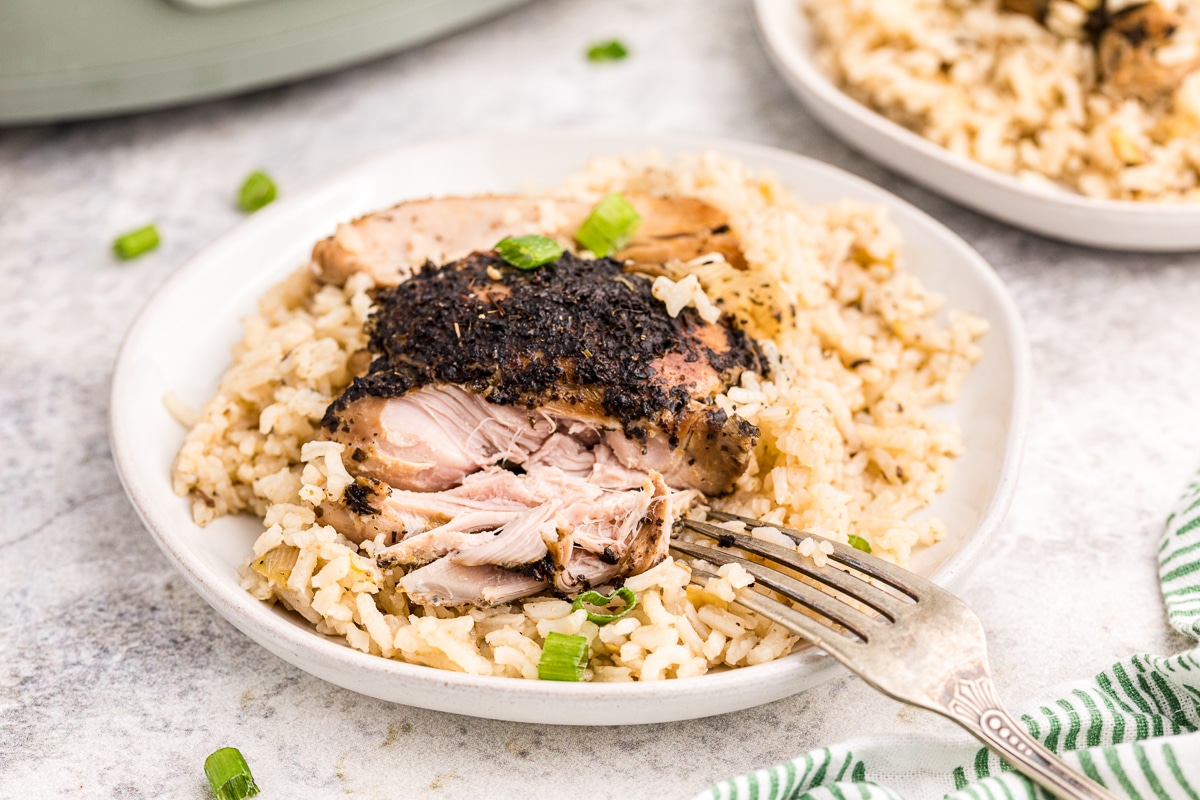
{"type": "Point", "coordinates": [1030, 8]}
{"type": "Point", "coordinates": [391, 244]}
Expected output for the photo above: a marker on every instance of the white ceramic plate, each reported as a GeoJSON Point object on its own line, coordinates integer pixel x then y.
{"type": "Point", "coordinates": [1120, 225]}
{"type": "Point", "coordinates": [181, 342]}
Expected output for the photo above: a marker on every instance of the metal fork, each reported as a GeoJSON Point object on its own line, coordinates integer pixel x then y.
{"type": "Point", "coordinates": [915, 642]}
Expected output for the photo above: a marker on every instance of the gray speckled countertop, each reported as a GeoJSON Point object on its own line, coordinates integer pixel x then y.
{"type": "Point", "coordinates": [116, 680]}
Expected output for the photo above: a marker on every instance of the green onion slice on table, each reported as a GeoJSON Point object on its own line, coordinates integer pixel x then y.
{"type": "Point", "coordinates": [610, 226]}
{"type": "Point", "coordinates": [134, 243]}
{"type": "Point", "coordinates": [257, 191]}
{"type": "Point", "coordinates": [600, 601]}
{"type": "Point", "coordinates": [529, 252]}
{"type": "Point", "coordinates": [612, 50]}
{"type": "Point", "coordinates": [859, 543]}
{"type": "Point", "coordinates": [229, 775]}
{"type": "Point", "coordinates": [563, 657]}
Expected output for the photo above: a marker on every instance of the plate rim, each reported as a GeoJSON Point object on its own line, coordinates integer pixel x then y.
{"type": "Point", "coordinates": [230, 601]}
{"type": "Point", "coordinates": [794, 59]}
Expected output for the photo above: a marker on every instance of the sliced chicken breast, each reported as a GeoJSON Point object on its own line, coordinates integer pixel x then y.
{"type": "Point", "coordinates": [444, 583]}
{"type": "Point", "coordinates": [430, 439]}
{"type": "Point", "coordinates": [556, 529]}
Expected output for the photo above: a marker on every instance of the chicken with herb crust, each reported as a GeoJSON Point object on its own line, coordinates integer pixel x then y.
{"type": "Point", "coordinates": [520, 429]}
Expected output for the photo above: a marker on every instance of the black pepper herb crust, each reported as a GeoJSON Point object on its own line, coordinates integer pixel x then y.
{"type": "Point", "coordinates": [582, 332]}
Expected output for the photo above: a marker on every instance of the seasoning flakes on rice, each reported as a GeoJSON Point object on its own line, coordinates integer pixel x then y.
{"type": "Point", "coordinates": [857, 354]}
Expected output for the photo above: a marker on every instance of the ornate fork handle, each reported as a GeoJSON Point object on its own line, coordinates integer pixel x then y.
{"type": "Point", "coordinates": [973, 703]}
{"type": "Point", "coordinates": [931, 652]}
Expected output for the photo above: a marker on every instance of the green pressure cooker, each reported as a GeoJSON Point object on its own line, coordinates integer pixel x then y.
{"type": "Point", "coordinates": [71, 59]}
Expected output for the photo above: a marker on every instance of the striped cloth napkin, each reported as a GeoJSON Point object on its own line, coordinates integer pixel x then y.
{"type": "Point", "coordinates": [1134, 727]}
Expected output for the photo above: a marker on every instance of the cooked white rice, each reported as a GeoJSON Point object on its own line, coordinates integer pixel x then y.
{"type": "Point", "coordinates": [847, 448]}
{"type": "Point", "coordinates": [1016, 95]}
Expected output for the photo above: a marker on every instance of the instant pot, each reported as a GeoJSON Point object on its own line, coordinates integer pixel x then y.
{"type": "Point", "coordinates": [69, 59]}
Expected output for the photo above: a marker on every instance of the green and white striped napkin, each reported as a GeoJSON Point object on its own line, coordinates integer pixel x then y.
{"type": "Point", "coordinates": [1134, 727]}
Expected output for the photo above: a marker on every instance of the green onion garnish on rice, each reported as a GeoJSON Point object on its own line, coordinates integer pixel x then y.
{"type": "Point", "coordinates": [257, 191]}
{"type": "Point", "coordinates": [563, 657]}
{"type": "Point", "coordinates": [134, 243]}
{"type": "Point", "coordinates": [859, 543]}
{"type": "Point", "coordinates": [229, 775]}
{"type": "Point", "coordinates": [598, 600]}
{"type": "Point", "coordinates": [612, 50]}
{"type": "Point", "coordinates": [529, 252]}
{"type": "Point", "coordinates": [610, 226]}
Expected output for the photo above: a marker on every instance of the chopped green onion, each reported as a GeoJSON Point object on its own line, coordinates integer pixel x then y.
{"type": "Point", "coordinates": [529, 252]}
{"type": "Point", "coordinates": [600, 601]}
{"type": "Point", "coordinates": [563, 657]}
{"type": "Point", "coordinates": [612, 50]}
{"type": "Point", "coordinates": [229, 775]}
{"type": "Point", "coordinates": [257, 191]}
{"type": "Point", "coordinates": [134, 243]}
{"type": "Point", "coordinates": [610, 226]}
{"type": "Point", "coordinates": [859, 543]}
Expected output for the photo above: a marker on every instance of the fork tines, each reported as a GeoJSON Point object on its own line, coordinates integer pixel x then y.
{"type": "Point", "coordinates": [839, 606]}
{"type": "Point", "coordinates": [877, 568]}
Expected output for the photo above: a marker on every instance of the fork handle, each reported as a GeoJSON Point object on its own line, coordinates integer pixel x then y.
{"type": "Point", "coordinates": [973, 703]}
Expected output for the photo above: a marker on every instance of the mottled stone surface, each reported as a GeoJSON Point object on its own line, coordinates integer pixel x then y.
{"type": "Point", "coordinates": [116, 680]}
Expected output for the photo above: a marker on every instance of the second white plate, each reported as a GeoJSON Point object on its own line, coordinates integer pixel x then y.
{"type": "Point", "coordinates": [180, 342]}
{"type": "Point", "coordinates": [1119, 225]}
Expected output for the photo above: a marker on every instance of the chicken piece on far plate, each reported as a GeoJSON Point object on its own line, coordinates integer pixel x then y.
{"type": "Point", "coordinates": [1134, 52]}
{"type": "Point", "coordinates": [1138, 52]}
